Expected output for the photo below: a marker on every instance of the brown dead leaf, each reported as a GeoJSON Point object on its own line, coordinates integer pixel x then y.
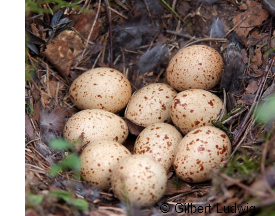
{"type": "Point", "coordinates": [247, 99]}
{"type": "Point", "coordinates": [84, 25]}
{"type": "Point", "coordinates": [257, 58]}
{"type": "Point", "coordinates": [244, 56]}
{"type": "Point", "coordinates": [172, 189]}
{"type": "Point", "coordinates": [60, 55]}
{"type": "Point", "coordinates": [252, 17]}
{"type": "Point", "coordinates": [252, 87]}
{"type": "Point", "coordinates": [28, 127]}
{"type": "Point", "coordinates": [133, 127]}
{"type": "Point", "coordinates": [36, 108]}
{"type": "Point", "coordinates": [74, 43]}
{"type": "Point", "coordinates": [52, 88]}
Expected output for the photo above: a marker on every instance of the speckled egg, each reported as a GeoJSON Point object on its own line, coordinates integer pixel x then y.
{"type": "Point", "coordinates": [98, 161]}
{"type": "Point", "coordinates": [194, 108]}
{"type": "Point", "coordinates": [139, 180]}
{"type": "Point", "coordinates": [151, 104]}
{"type": "Point", "coordinates": [195, 67]}
{"type": "Point", "coordinates": [160, 141]}
{"type": "Point", "coordinates": [200, 152]}
{"type": "Point", "coordinates": [101, 88]}
{"type": "Point", "coordinates": [96, 124]}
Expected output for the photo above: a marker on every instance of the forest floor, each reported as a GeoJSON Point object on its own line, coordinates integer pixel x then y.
{"type": "Point", "coordinates": [130, 36]}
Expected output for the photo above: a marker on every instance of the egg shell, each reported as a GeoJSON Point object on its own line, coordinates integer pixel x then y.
{"type": "Point", "coordinates": [95, 124]}
{"type": "Point", "coordinates": [101, 88]}
{"type": "Point", "coordinates": [195, 67]}
{"type": "Point", "coordinates": [194, 108]}
{"type": "Point", "coordinates": [200, 152]}
{"type": "Point", "coordinates": [151, 104]}
{"type": "Point", "coordinates": [160, 141]}
{"type": "Point", "coordinates": [98, 161]}
{"type": "Point", "coordinates": [139, 179]}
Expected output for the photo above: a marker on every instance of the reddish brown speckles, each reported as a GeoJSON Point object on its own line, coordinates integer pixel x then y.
{"type": "Point", "coordinates": [176, 102]}
{"type": "Point", "coordinates": [197, 123]}
{"type": "Point", "coordinates": [223, 135]}
{"type": "Point", "coordinates": [166, 137]}
{"type": "Point", "coordinates": [74, 89]}
{"type": "Point", "coordinates": [184, 95]}
{"type": "Point", "coordinates": [211, 103]}
{"type": "Point", "coordinates": [191, 111]}
{"type": "Point", "coordinates": [201, 148]}
{"type": "Point", "coordinates": [197, 131]}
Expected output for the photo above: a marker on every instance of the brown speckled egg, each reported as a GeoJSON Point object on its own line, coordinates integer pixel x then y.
{"type": "Point", "coordinates": [160, 141]}
{"type": "Point", "coordinates": [139, 180]}
{"type": "Point", "coordinates": [201, 151]}
{"type": "Point", "coordinates": [194, 108]}
{"type": "Point", "coordinates": [195, 67]}
{"type": "Point", "coordinates": [151, 104]}
{"type": "Point", "coordinates": [96, 124]}
{"type": "Point", "coordinates": [101, 88]}
{"type": "Point", "coordinates": [98, 161]}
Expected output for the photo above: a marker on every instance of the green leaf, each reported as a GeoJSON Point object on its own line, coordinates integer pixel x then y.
{"type": "Point", "coordinates": [72, 162]}
{"type": "Point", "coordinates": [34, 200]}
{"type": "Point", "coordinates": [266, 111]}
{"type": "Point", "coordinates": [59, 144]}
{"type": "Point", "coordinates": [55, 169]}
{"type": "Point", "coordinates": [67, 196]}
{"type": "Point", "coordinates": [80, 204]}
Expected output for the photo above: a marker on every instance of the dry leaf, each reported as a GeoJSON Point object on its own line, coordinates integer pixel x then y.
{"type": "Point", "coordinates": [84, 25]}
{"type": "Point", "coordinates": [257, 57]}
{"type": "Point", "coordinates": [252, 87]}
{"type": "Point", "coordinates": [253, 16]}
{"type": "Point", "coordinates": [28, 127]}
{"type": "Point", "coordinates": [60, 55]}
{"type": "Point", "coordinates": [172, 189]}
{"type": "Point", "coordinates": [74, 43]}
{"type": "Point", "coordinates": [244, 56]}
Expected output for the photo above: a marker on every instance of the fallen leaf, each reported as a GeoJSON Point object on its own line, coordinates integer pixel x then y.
{"type": "Point", "coordinates": [84, 24]}
{"type": "Point", "coordinates": [60, 55]}
{"type": "Point", "coordinates": [172, 189]}
{"type": "Point", "coordinates": [257, 58]}
{"type": "Point", "coordinates": [252, 17]}
{"type": "Point", "coordinates": [269, 91]}
{"type": "Point", "coordinates": [133, 127]}
{"type": "Point", "coordinates": [74, 43]}
{"type": "Point", "coordinates": [244, 56]}
{"type": "Point", "coordinates": [247, 99]}
{"type": "Point", "coordinates": [28, 127]}
{"type": "Point", "coordinates": [252, 87]}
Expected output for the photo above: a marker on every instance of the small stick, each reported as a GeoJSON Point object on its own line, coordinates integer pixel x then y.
{"type": "Point", "coordinates": [180, 34]}
{"type": "Point", "coordinates": [221, 40]}
{"type": "Point", "coordinates": [91, 31]}
{"type": "Point", "coordinates": [241, 185]}
{"type": "Point", "coordinates": [110, 32]}
{"type": "Point", "coordinates": [115, 11]}
{"type": "Point", "coordinates": [235, 26]}
{"type": "Point", "coordinates": [96, 59]}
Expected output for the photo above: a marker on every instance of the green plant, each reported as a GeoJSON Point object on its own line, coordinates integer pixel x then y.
{"type": "Point", "coordinates": [72, 161]}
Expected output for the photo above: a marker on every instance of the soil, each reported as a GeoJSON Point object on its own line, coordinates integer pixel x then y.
{"type": "Point", "coordinates": [139, 38]}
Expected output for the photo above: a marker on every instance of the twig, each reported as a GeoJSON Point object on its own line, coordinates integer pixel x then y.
{"type": "Point", "coordinates": [180, 34]}
{"type": "Point", "coordinates": [91, 31]}
{"type": "Point", "coordinates": [171, 10]}
{"type": "Point", "coordinates": [235, 26]}
{"type": "Point", "coordinates": [96, 59]}
{"type": "Point", "coordinates": [110, 32]}
{"type": "Point", "coordinates": [221, 40]}
{"type": "Point", "coordinates": [241, 185]}
{"type": "Point", "coordinates": [264, 153]}
{"type": "Point", "coordinates": [115, 11]}
{"type": "Point", "coordinates": [258, 95]}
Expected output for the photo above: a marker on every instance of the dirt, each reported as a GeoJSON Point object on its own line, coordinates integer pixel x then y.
{"type": "Point", "coordinates": [143, 39]}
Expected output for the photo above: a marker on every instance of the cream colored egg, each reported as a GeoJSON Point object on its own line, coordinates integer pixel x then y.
{"type": "Point", "coordinates": [98, 161]}
{"type": "Point", "coordinates": [151, 104]}
{"type": "Point", "coordinates": [195, 67]}
{"type": "Point", "coordinates": [139, 180]}
{"type": "Point", "coordinates": [101, 88]}
{"type": "Point", "coordinates": [194, 108]}
{"type": "Point", "coordinates": [160, 141]}
{"type": "Point", "coordinates": [96, 124]}
{"type": "Point", "coordinates": [200, 152]}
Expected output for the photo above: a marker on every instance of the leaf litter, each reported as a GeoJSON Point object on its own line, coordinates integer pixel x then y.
{"type": "Point", "coordinates": [62, 46]}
